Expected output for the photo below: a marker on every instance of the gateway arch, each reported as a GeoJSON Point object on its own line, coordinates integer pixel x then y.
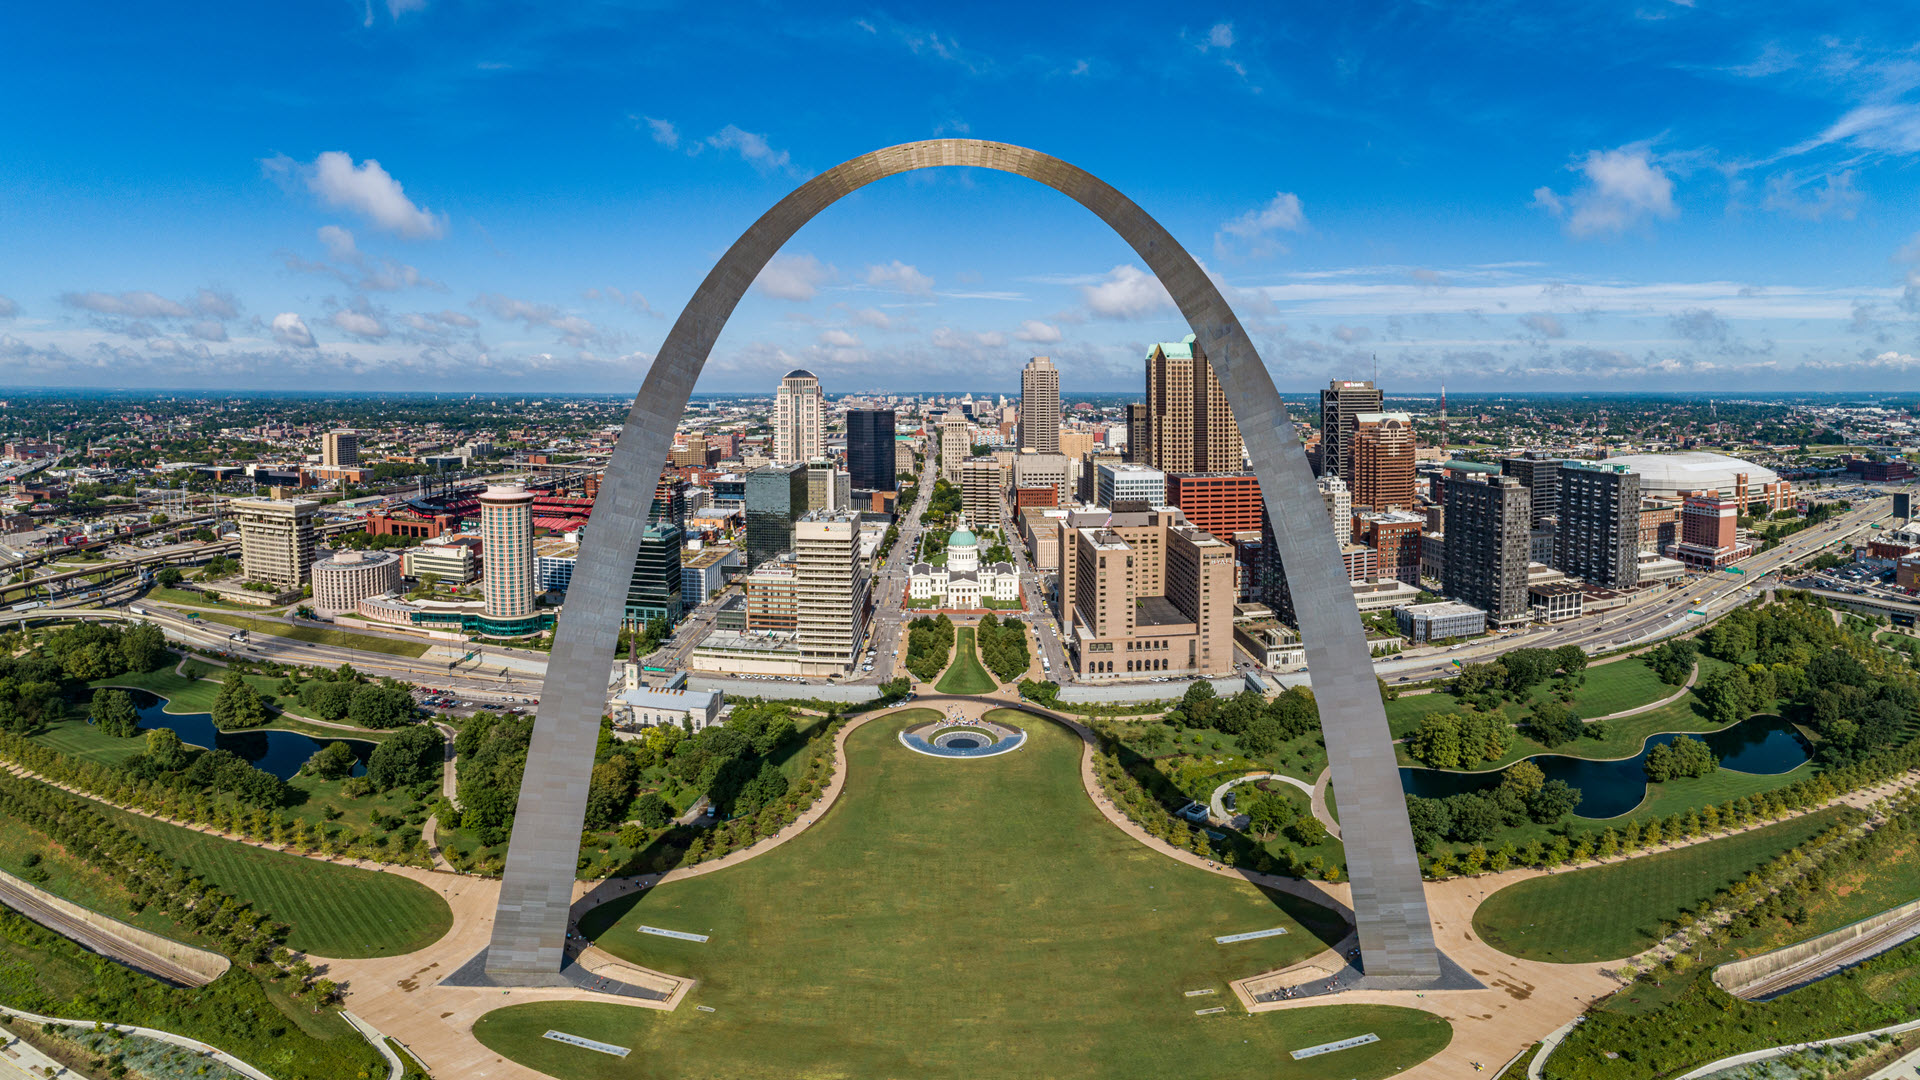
{"type": "Point", "coordinates": [1389, 903]}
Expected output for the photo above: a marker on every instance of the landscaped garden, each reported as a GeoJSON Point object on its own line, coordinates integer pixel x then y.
{"type": "Point", "coordinates": [1613, 911]}
{"type": "Point", "coordinates": [1673, 1017]}
{"type": "Point", "coordinates": [948, 918]}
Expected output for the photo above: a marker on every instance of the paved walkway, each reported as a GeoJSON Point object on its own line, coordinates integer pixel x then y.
{"type": "Point", "coordinates": [396, 1069]}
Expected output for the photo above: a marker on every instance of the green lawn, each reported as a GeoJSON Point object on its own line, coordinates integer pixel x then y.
{"type": "Point", "coordinates": [1610, 688]}
{"type": "Point", "coordinates": [314, 635]}
{"type": "Point", "coordinates": [965, 675]}
{"type": "Point", "coordinates": [194, 599]}
{"type": "Point", "coordinates": [961, 919]}
{"type": "Point", "coordinates": [336, 911]}
{"type": "Point", "coordinates": [1610, 912]}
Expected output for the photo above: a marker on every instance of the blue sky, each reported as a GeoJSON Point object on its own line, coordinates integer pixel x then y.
{"type": "Point", "coordinates": [425, 194]}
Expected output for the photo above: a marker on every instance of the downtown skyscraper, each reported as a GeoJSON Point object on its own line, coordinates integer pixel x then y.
{"type": "Point", "coordinates": [1040, 406]}
{"type": "Point", "coordinates": [799, 419]}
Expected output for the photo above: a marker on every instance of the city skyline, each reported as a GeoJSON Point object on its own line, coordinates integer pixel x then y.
{"type": "Point", "coordinates": [1378, 204]}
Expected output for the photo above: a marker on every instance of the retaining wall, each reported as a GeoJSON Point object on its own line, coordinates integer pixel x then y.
{"type": "Point", "coordinates": [208, 965]}
{"type": "Point", "coordinates": [1730, 976]}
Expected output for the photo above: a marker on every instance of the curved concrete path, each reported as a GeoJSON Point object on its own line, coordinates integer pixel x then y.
{"type": "Point", "coordinates": [1692, 677]}
{"type": "Point", "coordinates": [1321, 785]}
{"type": "Point", "coordinates": [195, 1045]}
{"type": "Point", "coordinates": [396, 1069]}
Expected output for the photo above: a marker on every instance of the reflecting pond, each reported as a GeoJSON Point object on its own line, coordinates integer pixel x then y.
{"type": "Point", "coordinates": [1764, 744]}
{"type": "Point", "coordinates": [278, 752]}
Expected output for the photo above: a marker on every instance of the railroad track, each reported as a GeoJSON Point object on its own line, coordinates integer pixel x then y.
{"type": "Point", "coordinates": [1842, 956]}
{"type": "Point", "coordinates": [96, 940]}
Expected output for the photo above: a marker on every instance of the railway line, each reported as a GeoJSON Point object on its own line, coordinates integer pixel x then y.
{"type": "Point", "coordinates": [97, 940]}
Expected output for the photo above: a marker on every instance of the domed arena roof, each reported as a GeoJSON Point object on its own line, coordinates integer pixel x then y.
{"type": "Point", "coordinates": [963, 538]}
{"type": "Point", "coordinates": [1668, 474]}
{"type": "Point", "coordinates": [801, 373]}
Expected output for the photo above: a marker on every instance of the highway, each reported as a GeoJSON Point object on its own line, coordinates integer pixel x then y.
{"type": "Point", "coordinates": [1665, 614]}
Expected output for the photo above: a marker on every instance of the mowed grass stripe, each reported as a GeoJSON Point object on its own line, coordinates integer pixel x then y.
{"type": "Point", "coordinates": [965, 675]}
{"type": "Point", "coordinates": [1611, 912]}
{"type": "Point", "coordinates": [337, 911]}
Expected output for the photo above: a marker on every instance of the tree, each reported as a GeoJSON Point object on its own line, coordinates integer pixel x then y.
{"type": "Point", "coordinates": [326, 698]}
{"type": "Point", "coordinates": [1436, 742]}
{"type": "Point", "coordinates": [330, 762]}
{"type": "Point", "coordinates": [412, 756]}
{"type": "Point", "coordinates": [168, 577]}
{"type": "Point", "coordinates": [1526, 668]}
{"type": "Point", "coordinates": [1673, 660]}
{"type": "Point", "coordinates": [381, 706]}
{"type": "Point", "coordinates": [113, 710]}
{"type": "Point", "coordinates": [610, 792]}
{"type": "Point", "coordinates": [895, 689]}
{"type": "Point", "coordinates": [1683, 757]}
{"type": "Point", "coordinates": [166, 750]}
{"type": "Point", "coordinates": [1571, 659]}
{"type": "Point", "coordinates": [1307, 831]}
{"type": "Point", "coordinates": [143, 647]}
{"type": "Point", "coordinates": [1552, 801]}
{"type": "Point", "coordinates": [652, 811]}
{"type": "Point", "coordinates": [238, 704]}
{"type": "Point", "coordinates": [1553, 723]}
{"type": "Point", "coordinates": [1726, 695]}
{"type": "Point", "coordinates": [1198, 703]}
{"type": "Point", "coordinates": [1268, 812]}
{"type": "Point", "coordinates": [1431, 821]}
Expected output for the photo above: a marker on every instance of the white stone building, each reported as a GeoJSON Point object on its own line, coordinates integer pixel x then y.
{"type": "Point", "coordinates": [963, 582]}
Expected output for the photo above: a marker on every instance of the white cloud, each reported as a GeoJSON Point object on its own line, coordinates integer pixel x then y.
{"type": "Point", "coordinates": [947, 337]}
{"type": "Point", "coordinates": [138, 304]}
{"type": "Point", "coordinates": [1624, 188]}
{"type": "Point", "coordinates": [752, 148]}
{"type": "Point", "coordinates": [1891, 359]}
{"type": "Point", "coordinates": [1255, 228]}
{"type": "Point", "coordinates": [1351, 334]}
{"type": "Point", "coordinates": [1220, 37]}
{"type": "Point", "coordinates": [1835, 197]}
{"type": "Point", "coordinates": [8, 309]}
{"type": "Point", "coordinates": [900, 276]}
{"type": "Point", "coordinates": [574, 330]}
{"type": "Point", "coordinates": [397, 8]}
{"type": "Point", "coordinates": [793, 277]}
{"type": "Point", "coordinates": [1038, 332]}
{"type": "Point", "coordinates": [217, 305]}
{"type": "Point", "coordinates": [1699, 324]}
{"type": "Point", "coordinates": [339, 243]}
{"type": "Point", "coordinates": [624, 298]}
{"type": "Point", "coordinates": [1891, 127]}
{"type": "Point", "coordinates": [873, 317]}
{"type": "Point", "coordinates": [839, 339]}
{"type": "Point", "coordinates": [434, 320]}
{"type": "Point", "coordinates": [1127, 292]}
{"type": "Point", "coordinates": [366, 189]}
{"type": "Point", "coordinates": [289, 330]}
{"type": "Point", "coordinates": [358, 324]}
{"type": "Point", "coordinates": [208, 330]}
{"type": "Point", "coordinates": [1544, 325]}
{"type": "Point", "coordinates": [663, 131]}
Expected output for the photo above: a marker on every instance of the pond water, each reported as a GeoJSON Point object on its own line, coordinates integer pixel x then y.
{"type": "Point", "coordinates": [1765, 745]}
{"type": "Point", "coordinates": [278, 752]}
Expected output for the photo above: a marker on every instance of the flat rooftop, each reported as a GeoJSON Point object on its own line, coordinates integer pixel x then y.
{"type": "Point", "coordinates": [1158, 611]}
